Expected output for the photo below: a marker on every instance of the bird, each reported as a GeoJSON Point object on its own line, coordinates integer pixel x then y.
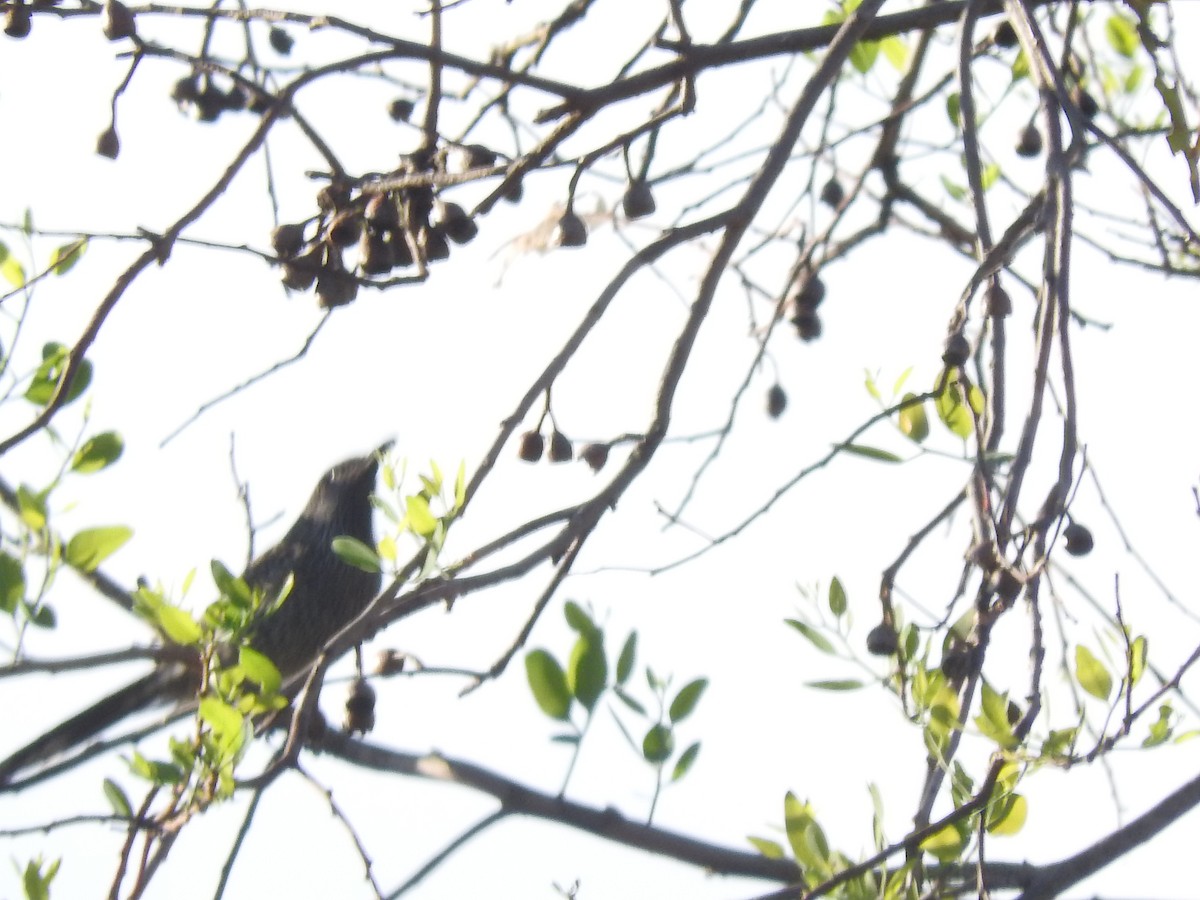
{"type": "Point", "coordinates": [326, 595]}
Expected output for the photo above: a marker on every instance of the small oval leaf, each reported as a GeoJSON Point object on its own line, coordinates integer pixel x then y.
{"type": "Point", "coordinates": [90, 547]}
{"type": "Point", "coordinates": [548, 684]}
{"type": "Point", "coordinates": [687, 698]}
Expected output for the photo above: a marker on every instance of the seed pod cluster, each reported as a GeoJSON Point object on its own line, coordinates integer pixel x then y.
{"type": "Point", "coordinates": [200, 96]}
{"type": "Point", "coordinates": [533, 445]}
{"type": "Point", "coordinates": [388, 229]}
{"type": "Point", "coordinates": [807, 295]}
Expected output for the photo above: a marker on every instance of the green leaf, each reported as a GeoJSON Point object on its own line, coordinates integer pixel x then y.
{"type": "Point", "coordinates": [90, 547]}
{"type": "Point", "coordinates": [116, 799]}
{"type": "Point", "coordinates": [989, 175]}
{"type": "Point", "coordinates": [992, 720]}
{"type": "Point", "coordinates": [227, 725]}
{"type": "Point", "coordinates": [354, 552]}
{"type": "Point", "coordinates": [1091, 674]}
{"type": "Point", "coordinates": [626, 660]}
{"type": "Point", "coordinates": [587, 670]}
{"type": "Point", "coordinates": [63, 259]}
{"type": "Point", "coordinates": [628, 700]}
{"type": "Point", "coordinates": [1137, 659]}
{"type": "Point", "coordinates": [98, 453]}
{"type": "Point", "coordinates": [863, 55]}
{"type": "Point", "coordinates": [768, 848]}
{"type": "Point", "coordinates": [13, 271]}
{"type": "Point", "coordinates": [685, 701]}
{"type": "Point", "coordinates": [259, 669]}
{"type": "Point", "coordinates": [579, 620]}
{"type": "Point", "coordinates": [1020, 67]}
{"type": "Point", "coordinates": [658, 744]}
{"type": "Point", "coordinates": [956, 191]}
{"type": "Point", "coordinates": [548, 684]}
{"type": "Point", "coordinates": [948, 843]}
{"type": "Point", "coordinates": [157, 772]}
{"type": "Point", "coordinates": [871, 388]}
{"type": "Point", "coordinates": [175, 623]}
{"type": "Point", "coordinates": [951, 407]}
{"type": "Point", "coordinates": [420, 519]}
{"type": "Point", "coordinates": [843, 684]}
{"type": "Point", "coordinates": [837, 597]}
{"type": "Point", "coordinates": [1122, 35]}
{"type": "Point", "coordinates": [870, 452]}
{"type": "Point", "coordinates": [50, 372]}
{"type": "Point", "coordinates": [35, 882]}
{"type": "Point", "coordinates": [953, 113]}
{"type": "Point", "coordinates": [685, 761]}
{"type": "Point", "coordinates": [914, 424]}
{"type": "Point", "coordinates": [32, 507]}
{"type": "Point", "coordinates": [12, 582]}
{"type": "Point", "coordinates": [805, 836]}
{"type": "Point", "coordinates": [896, 51]}
{"type": "Point", "coordinates": [460, 486]}
{"type": "Point", "coordinates": [815, 637]}
{"type": "Point", "coordinates": [1006, 815]}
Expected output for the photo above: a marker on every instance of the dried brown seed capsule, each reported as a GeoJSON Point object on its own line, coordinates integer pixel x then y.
{"type": "Point", "coordinates": [957, 662]}
{"type": "Point", "coordinates": [335, 287]}
{"type": "Point", "coordinates": [390, 662]}
{"type": "Point", "coordinates": [1086, 102]}
{"type": "Point", "coordinates": [375, 253]}
{"type": "Point", "coordinates": [318, 728]}
{"type": "Point", "coordinates": [453, 220]}
{"type": "Point", "coordinates": [381, 211]}
{"type": "Point", "coordinates": [1005, 35]}
{"type": "Point", "coordinates": [513, 191]}
{"type": "Point", "coordinates": [210, 103]}
{"type": "Point", "coordinates": [344, 228]}
{"type": "Point", "coordinates": [1078, 538]}
{"type": "Point", "coordinates": [776, 401]}
{"type": "Point", "coordinates": [1006, 585]}
{"type": "Point", "coordinates": [333, 196]}
{"type": "Point", "coordinates": [957, 350]}
{"type": "Point", "coordinates": [108, 144]}
{"type": "Point", "coordinates": [882, 640]}
{"type": "Point", "coordinates": [300, 273]}
{"type": "Point", "coordinates": [998, 301]}
{"type": "Point", "coordinates": [1029, 144]}
{"type": "Point", "coordinates": [281, 42]}
{"type": "Point", "coordinates": [287, 239]}
{"type": "Point", "coordinates": [401, 109]}
{"type": "Point", "coordinates": [532, 444]}
{"type": "Point", "coordinates": [18, 22]}
{"type": "Point", "coordinates": [360, 707]}
{"type": "Point", "coordinates": [560, 447]}
{"type": "Point", "coordinates": [638, 201]}
{"type": "Point", "coordinates": [808, 325]}
{"type": "Point", "coordinates": [117, 21]}
{"type": "Point", "coordinates": [832, 193]}
{"type": "Point", "coordinates": [569, 232]}
{"type": "Point", "coordinates": [433, 244]}
{"type": "Point", "coordinates": [186, 90]}
{"type": "Point", "coordinates": [812, 294]}
{"type": "Point", "coordinates": [402, 255]}
{"type": "Point", "coordinates": [595, 455]}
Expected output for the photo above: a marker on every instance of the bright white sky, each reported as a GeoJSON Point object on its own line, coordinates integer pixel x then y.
{"type": "Point", "coordinates": [437, 368]}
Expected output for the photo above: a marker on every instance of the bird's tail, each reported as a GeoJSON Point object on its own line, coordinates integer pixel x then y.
{"type": "Point", "coordinates": [162, 685]}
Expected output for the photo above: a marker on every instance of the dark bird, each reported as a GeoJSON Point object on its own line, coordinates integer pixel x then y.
{"type": "Point", "coordinates": [326, 595]}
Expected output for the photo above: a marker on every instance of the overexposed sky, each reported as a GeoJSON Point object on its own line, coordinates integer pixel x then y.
{"type": "Point", "coordinates": [440, 365]}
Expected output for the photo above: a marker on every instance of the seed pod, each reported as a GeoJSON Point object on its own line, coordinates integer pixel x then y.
{"type": "Point", "coordinates": [532, 444]}
{"type": "Point", "coordinates": [374, 253]}
{"type": "Point", "coordinates": [882, 640]}
{"type": "Point", "coordinates": [513, 191]}
{"type": "Point", "coordinates": [108, 144]}
{"type": "Point", "coordinates": [400, 109]}
{"type": "Point", "coordinates": [18, 22]}
{"type": "Point", "coordinates": [560, 447]}
{"type": "Point", "coordinates": [1006, 585]}
{"type": "Point", "coordinates": [333, 196]}
{"type": "Point", "coordinates": [210, 103]}
{"type": "Point", "coordinates": [1029, 144]}
{"type": "Point", "coordinates": [401, 253]}
{"type": "Point", "coordinates": [281, 42]}
{"type": "Point", "coordinates": [1085, 101]}
{"type": "Point", "coordinates": [998, 301]}
{"type": "Point", "coordinates": [832, 193]}
{"type": "Point", "coordinates": [381, 211]}
{"type": "Point", "coordinates": [812, 294]}
{"type": "Point", "coordinates": [808, 325]}
{"type": "Point", "coordinates": [776, 401]}
{"type": "Point", "coordinates": [453, 220]}
{"type": "Point", "coordinates": [957, 350]}
{"type": "Point", "coordinates": [360, 707]}
{"type": "Point", "coordinates": [957, 662]}
{"type": "Point", "coordinates": [390, 662]}
{"type": "Point", "coordinates": [1005, 35]}
{"type": "Point", "coordinates": [344, 228]}
{"type": "Point", "coordinates": [335, 287]}
{"type": "Point", "coordinates": [638, 201]}
{"type": "Point", "coordinates": [433, 244]}
{"type": "Point", "coordinates": [287, 239]}
{"type": "Point", "coordinates": [117, 21]}
{"type": "Point", "coordinates": [569, 232]}
{"type": "Point", "coordinates": [1078, 539]}
{"type": "Point", "coordinates": [186, 91]}
{"type": "Point", "coordinates": [300, 273]}
{"type": "Point", "coordinates": [595, 455]}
